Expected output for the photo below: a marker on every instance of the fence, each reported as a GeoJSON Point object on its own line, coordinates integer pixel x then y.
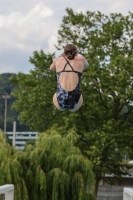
{"type": "Point", "coordinates": [128, 194]}
{"type": "Point", "coordinates": [108, 192]}
{"type": "Point", "coordinates": [7, 192]}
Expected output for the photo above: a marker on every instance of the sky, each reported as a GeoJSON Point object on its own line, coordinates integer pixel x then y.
{"type": "Point", "coordinates": [28, 26]}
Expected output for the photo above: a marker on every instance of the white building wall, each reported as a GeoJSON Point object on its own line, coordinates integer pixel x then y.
{"type": "Point", "coordinates": [8, 190]}
{"type": "Point", "coordinates": [128, 194]}
{"type": "Point", "coordinates": [21, 138]}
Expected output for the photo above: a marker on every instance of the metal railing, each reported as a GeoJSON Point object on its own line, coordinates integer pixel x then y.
{"type": "Point", "coordinates": [7, 192]}
{"type": "Point", "coordinates": [128, 194]}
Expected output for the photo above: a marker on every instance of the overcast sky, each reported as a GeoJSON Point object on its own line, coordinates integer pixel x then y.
{"type": "Point", "coordinates": [27, 26]}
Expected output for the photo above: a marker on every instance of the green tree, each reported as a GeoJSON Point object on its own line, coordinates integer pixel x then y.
{"type": "Point", "coordinates": [51, 170]}
{"type": "Point", "coordinates": [7, 87]}
{"type": "Point", "coordinates": [104, 122]}
{"type": "Point", "coordinates": [34, 93]}
{"type": "Point", "coordinates": [11, 171]}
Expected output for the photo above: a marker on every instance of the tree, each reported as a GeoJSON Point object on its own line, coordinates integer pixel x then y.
{"type": "Point", "coordinates": [53, 169]}
{"type": "Point", "coordinates": [106, 126]}
{"type": "Point", "coordinates": [6, 87]}
{"type": "Point", "coordinates": [10, 169]}
{"type": "Point", "coordinates": [104, 122]}
{"type": "Point", "coordinates": [34, 93]}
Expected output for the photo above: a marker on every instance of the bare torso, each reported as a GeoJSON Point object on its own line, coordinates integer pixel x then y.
{"type": "Point", "coordinates": [69, 80]}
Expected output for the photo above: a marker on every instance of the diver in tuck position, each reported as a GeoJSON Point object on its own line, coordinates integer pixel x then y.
{"type": "Point", "coordinates": [69, 69]}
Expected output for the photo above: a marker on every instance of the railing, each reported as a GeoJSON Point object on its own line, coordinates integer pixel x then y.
{"type": "Point", "coordinates": [8, 190]}
{"type": "Point", "coordinates": [128, 194]}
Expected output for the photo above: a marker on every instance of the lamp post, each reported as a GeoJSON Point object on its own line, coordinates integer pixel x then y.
{"type": "Point", "coordinates": [14, 133]}
{"type": "Point", "coordinates": [5, 96]}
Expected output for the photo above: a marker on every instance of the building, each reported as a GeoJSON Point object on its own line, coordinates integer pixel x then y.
{"type": "Point", "coordinates": [21, 138]}
{"type": "Point", "coordinates": [106, 191]}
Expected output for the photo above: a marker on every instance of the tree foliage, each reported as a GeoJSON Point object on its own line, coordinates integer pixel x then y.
{"type": "Point", "coordinates": [34, 93]}
{"type": "Point", "coordinates": [54, 169]}
{"type": "Point", "coordinates": [6, 87]}
{"type": "Point", "coordinates": [104, 122]}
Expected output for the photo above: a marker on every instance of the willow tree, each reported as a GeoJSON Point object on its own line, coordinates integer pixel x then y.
{"type": "Point", "coordinates": [69, 174]}
{"type": "Point", "coordinates": [104, 122]}
{"type": "Point", "coordinates": [53, 169]}
{"type": "Point", "coordinates": [11, 171]}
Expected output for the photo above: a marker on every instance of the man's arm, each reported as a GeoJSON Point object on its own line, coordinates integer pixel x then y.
{"type": "Point", "coordinates": [52, 66]}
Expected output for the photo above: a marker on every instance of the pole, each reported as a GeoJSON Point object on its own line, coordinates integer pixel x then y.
{"type": "Point", "coordinates": [5, 96]}
{"type": "Point", "coordinates": [5, 115]}
{"type": "Point", "coordinates": [14, 133]}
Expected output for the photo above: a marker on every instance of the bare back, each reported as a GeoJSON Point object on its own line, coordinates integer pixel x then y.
{"type": "Point", "coordinates": [69, 80]}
